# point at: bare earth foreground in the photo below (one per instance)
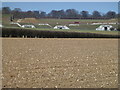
(60, 63)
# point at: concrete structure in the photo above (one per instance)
(15, 24)
(105, 28)
(44, 24)
(73, 24)
(28, 26)
(103, 23)
(61, 27)
(1, 25)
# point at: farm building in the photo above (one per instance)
(15, 24)
(1, 25)
(105, 28)
(44, 24)
(60, 27)
(73, 24)
(28, 26)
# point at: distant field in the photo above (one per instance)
(53, 22)
(84, 27)
(66, 21)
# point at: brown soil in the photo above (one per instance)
(60, 63)
(29, 20)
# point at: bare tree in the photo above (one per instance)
(17, 13)
(6, 10)
(96, 14)
(111, 14)
(72, 13)
(42, 14)
(84, 14)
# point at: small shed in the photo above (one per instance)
(44, 24)
(73, 24)
(1, 25)
(14, 23)
(28, 26)
(105, 28)
(61, 27)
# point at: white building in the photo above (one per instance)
(44, 24)
(73, 24)
(28, 26)
(105, 28)
(61, 27)
(1, 25)
(15, 24)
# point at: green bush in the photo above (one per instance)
(17, 32)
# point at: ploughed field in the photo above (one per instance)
(60, 63)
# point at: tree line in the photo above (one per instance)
(60, 14)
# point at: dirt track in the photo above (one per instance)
(60, 63)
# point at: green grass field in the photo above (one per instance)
(83, 27)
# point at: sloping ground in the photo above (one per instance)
(6, 20)
(60, 63)
(29, 20)
(82, 21)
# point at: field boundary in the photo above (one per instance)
(29, 33)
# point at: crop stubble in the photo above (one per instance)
(60, 63)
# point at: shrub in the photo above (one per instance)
(15, 32)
